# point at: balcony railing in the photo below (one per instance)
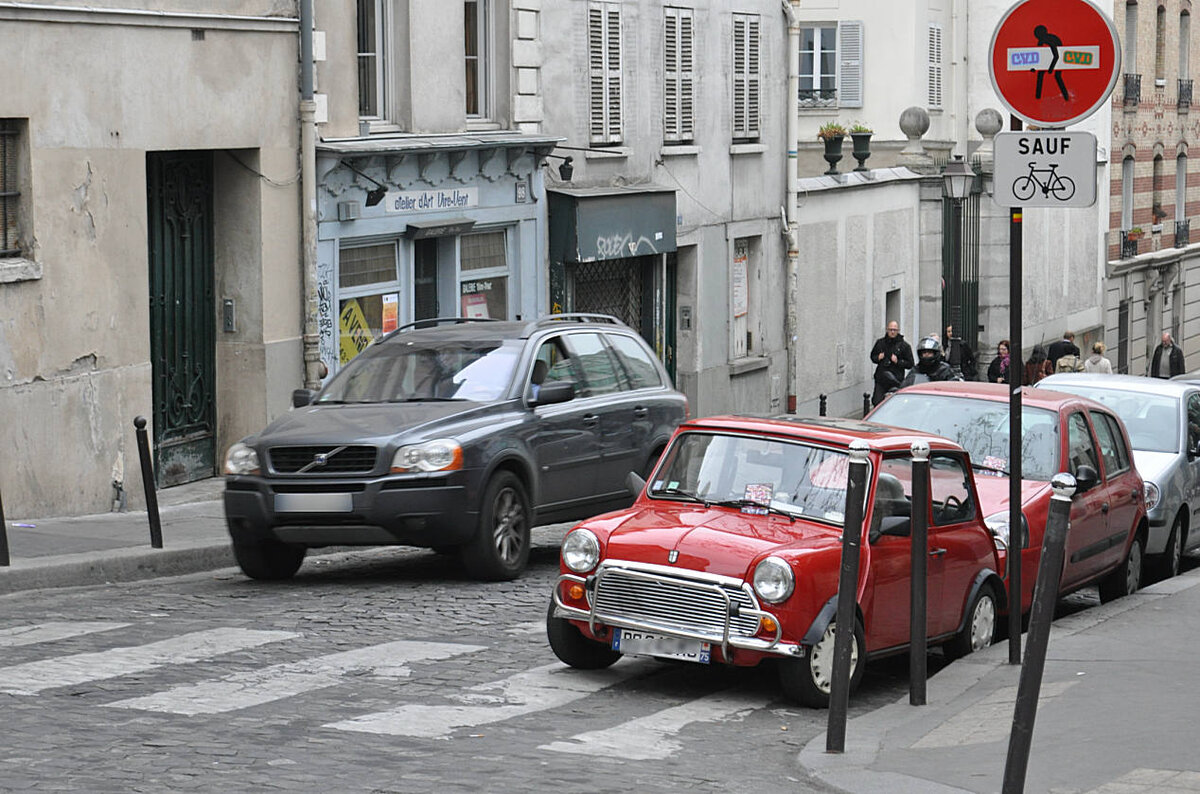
(1181, 232)
(1185, 93)
(1129, 245)
(818, 97)
(1133, 90)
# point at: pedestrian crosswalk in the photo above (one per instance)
(134, 676)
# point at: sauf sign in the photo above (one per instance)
(1046, 168)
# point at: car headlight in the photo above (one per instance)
(773, 580)
(440, 454)
(241, 459)
(998, 525)
(1153, 494)
(580, 550)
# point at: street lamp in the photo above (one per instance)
(957, 178)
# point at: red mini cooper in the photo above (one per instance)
(732, 552)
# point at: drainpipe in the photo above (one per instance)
(308, 194)
(792, 322)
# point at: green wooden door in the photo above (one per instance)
(182, 315)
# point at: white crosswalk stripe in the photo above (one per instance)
(33, 677)
(649, 738)
(244, 690)
(547, 687)
(53, 630)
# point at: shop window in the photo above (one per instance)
(368, 297)
(483, 280)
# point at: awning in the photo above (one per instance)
(590, 224)
(445, 227)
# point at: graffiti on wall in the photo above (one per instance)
(619, 246)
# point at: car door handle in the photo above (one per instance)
(936, 552)
(1104, 507)
(590, 419)
(640, 412)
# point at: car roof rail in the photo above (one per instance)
(574, 317)
(433, 322)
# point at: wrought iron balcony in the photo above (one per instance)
(818, 97)
(1133, 90)
(1181, 232)
(1185, 93)
(1129, 244)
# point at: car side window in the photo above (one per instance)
(1112, 445)
(893, 493)
(599, 368)
(1193, 419)
(950, 490)
(1081, 449)
(551, 363)
(638, 364)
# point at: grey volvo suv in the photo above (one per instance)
(458, 435)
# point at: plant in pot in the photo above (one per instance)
(861, 135)
(832, 133)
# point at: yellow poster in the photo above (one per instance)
(355, 334)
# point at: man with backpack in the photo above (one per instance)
(1069, 362)
(1061, 348)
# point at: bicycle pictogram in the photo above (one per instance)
(1062, 187)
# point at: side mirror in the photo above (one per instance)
(1085, 478)
(555, 391)
(634, 484)
(302, 397)
(900, 526)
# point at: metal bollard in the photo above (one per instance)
(866, 403)
(847, 599)
(4, 561)
(821, 409)
(148, 482)
(918, 636)
(1041, 613)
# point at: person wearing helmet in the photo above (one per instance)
(930, 364)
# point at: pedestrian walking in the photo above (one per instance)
(1037, 367)
(892, 357)
(930, 364)
(1173, 355)
(959, 355)
(1061, 348)
(1000, 370)
(1096, 362)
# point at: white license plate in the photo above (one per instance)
(313, 503)
(643, 643)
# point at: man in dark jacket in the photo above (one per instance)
(1173, 355)
(1060, 348)
(959, 355)
(930, 364)
(892, 357)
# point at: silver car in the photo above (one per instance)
(1163, 420)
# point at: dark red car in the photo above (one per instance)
(731, 553)
(1059, 433)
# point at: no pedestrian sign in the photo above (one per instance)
(1054, 62)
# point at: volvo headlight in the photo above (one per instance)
(773, 580)
(580, 550)
(998, 525)
(1153, 494)
(241, 459)
(440, 454)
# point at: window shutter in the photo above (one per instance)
(935, 66)
(686, 108)
(850, 64)
(745, 76)
(604, 73)
(596, 74)
(613, 76)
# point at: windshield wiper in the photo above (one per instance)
(678, 492)
(749, 503)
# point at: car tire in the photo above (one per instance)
(979, 631)
(269, 561)
(1166, 565)
(500, 548)
(808, 680)
(574, 649)
(1127, 578)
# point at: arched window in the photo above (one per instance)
(1181, 187)
(1160, 46)
(1131, 18)
(1127, 193)
(1185, 39)
(1156, 184)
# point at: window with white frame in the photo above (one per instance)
(483, 275)
(678, 108)
(746, 85)
(477, 44)
(935, 67)
(831, 65)
(372, 57)
(10, 188)
(368, 296)
(604, 73)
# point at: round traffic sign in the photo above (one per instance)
(1054, 62)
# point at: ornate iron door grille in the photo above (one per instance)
(182, 315)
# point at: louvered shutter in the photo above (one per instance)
(935, 66)
(850, 64)
(604, 72)
(677, 88)
(745, 76)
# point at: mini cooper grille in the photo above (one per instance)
(676, 604)
(337, 460)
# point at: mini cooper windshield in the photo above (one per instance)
(755, 474)
(403, 371)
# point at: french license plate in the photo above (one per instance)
(313, 503)
(643, 643)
